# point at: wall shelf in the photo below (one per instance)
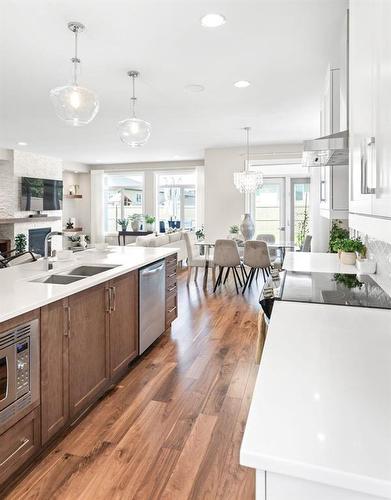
(73, 230)
(73, 196)
(15, 220)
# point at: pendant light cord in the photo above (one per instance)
(75, 59)
(247, 129)
(133, 98)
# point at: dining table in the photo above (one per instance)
(282, 246)
(207, 245)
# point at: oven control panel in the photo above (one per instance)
(22, 367)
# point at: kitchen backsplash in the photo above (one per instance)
(380, 252)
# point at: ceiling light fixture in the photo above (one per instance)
(21, 143)
(133, 131)
(242, 84)
(195, 88)
(212, 20)
(248, 181)
(75, 105)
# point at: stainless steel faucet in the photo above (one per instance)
(48, 265)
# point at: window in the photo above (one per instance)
(300, 192)
(176, 200)
(123, 197)
(269, 208)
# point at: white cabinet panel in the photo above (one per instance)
(260, 485)
(279, 487)
(362, 109)
(382, 197)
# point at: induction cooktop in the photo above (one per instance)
(327, 288)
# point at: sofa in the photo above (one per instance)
(170, 240)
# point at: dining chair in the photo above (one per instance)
(269, 238)
(256, 257)
(194, 259)
(306, 247)
(226, 255)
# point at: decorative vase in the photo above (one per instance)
(124, 228)
(348, 258)
(247, 227)
(82, 241)
(135, 225)
(149, 227)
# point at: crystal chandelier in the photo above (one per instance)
(75, 105)
(248, 181)
(134, 131)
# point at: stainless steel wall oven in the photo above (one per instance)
(19, 369)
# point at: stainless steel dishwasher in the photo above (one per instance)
(152, 297)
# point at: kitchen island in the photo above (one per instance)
(66, 337)
(319, 425)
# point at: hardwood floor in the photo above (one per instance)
(173, 426)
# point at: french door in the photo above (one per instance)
(268, 208)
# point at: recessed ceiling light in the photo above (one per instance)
(21, 143)
(212, 20)
(195, 88)
(242, 84)
(176, 157)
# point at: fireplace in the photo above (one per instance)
(37, 240)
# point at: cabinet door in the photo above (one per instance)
(88, 347)
(382, 197)
(362, 109)
(123, 321)
(54, 368)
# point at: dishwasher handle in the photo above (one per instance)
(146, 272)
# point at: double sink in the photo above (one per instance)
(70, 276)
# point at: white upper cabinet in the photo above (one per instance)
(370, 105)
(382, 72)
(361, 105)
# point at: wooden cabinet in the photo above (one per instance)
(171, 290)
(18, 444)
(54, 368)
(88, 347)
(87, 341)
(123, 321)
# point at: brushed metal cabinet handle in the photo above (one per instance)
(22, 445)
(114, 295)
(108, 299)
(67, 329)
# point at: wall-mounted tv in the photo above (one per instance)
(41, 194)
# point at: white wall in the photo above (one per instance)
(224, 205)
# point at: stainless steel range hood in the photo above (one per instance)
(329, 150)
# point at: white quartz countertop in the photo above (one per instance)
(321, 408)
(19, 295)
(316, 262)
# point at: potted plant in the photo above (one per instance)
(200, 233)
(234, 231)
(349, 249)
(149, 222)
(135, 221)
(337, 233)
(20, 243)
(123, 223)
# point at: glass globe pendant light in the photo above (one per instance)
(75, 105)
(248, 181)
(134, 131)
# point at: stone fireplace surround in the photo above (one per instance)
(17, 164)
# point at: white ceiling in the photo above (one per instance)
(281, 46)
